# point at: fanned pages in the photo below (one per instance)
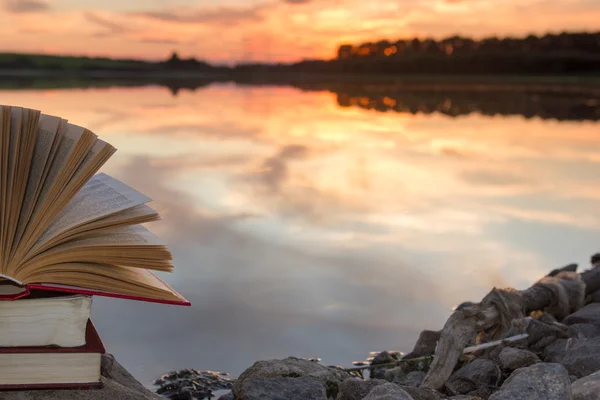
(65, 227)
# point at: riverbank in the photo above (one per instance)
(549, 348)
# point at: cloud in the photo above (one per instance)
(297, 1)
(25, 6)
(275, 169)
(111, 26)
(238, 279)
(223, 15)
(495, 178)
(159, 41)
(282, 294)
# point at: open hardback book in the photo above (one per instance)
(63, 226)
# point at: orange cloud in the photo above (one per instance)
(25, 6)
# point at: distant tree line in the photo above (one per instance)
(15, 61)
(549, 54)
(564, 43)
(561, 54)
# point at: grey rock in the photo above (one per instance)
(555, 352)
(118, 385)
(465, 397)
(582, 356)
(589, 314)
(594, 297)
(479, 372)
(425, 345)
(539, 330)
(583, 331)
(414, 378)
(282, 388)
(356, 388)
(512, 358)
(422, 393)
(383, 357)
(587, 388)
(228, 396)
(541, 344)
(544, 381)
(388, 391)
(395, 374)
(256, 380)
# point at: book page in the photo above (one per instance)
(101, 196)
(107, 279)
(19, 167)
(137, 215)
(4, 153)
(67, 143)
(136, 235)
(47, 133)
(73, 148)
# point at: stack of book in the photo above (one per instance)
(67, 233)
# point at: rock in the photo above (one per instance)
(388, 391)
(541, 344)
(465, 397)
(356, 388)
(413, 378)
(191, 383)
(479, 372)
(395, 374)
(512, 358)
(583, 331)
(385, 357)
(544, 381)
(421, 393)
(228, 396)
(594, 297)
(587, 388)
(282, 388)
(256, 380)
(425, 345)
(589, 314)
(118, 385)
(538, 330)
(482, 392)
(555, 352)
(582, 356)
(547, 318)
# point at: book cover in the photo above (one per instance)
(93, 345)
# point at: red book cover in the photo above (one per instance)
(93, 345)
(26, 290)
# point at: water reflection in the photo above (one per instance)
(300, 227)
(563, 101)
(457, 102)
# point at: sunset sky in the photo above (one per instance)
(267, 30)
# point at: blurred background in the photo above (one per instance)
(333, 175)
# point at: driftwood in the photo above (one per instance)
(467, 350)
(559, 293)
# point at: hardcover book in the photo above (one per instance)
(52, 367)
(64, 226)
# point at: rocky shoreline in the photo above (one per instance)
(557, 360)
(550, 351)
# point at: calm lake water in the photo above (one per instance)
(303, 227)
